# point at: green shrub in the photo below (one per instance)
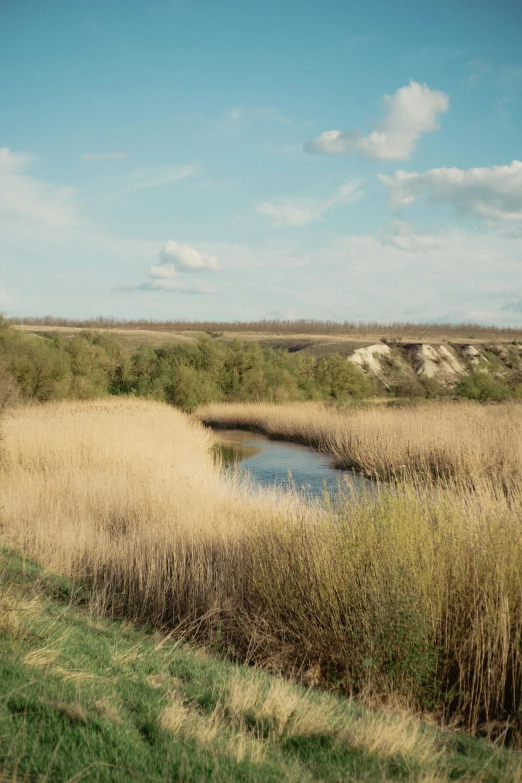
(338, 378)
(189, 388)
(409, 387)
(482, 387)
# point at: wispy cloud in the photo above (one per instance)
(104, 156)
(235, 120)
(26, 202)
(513, 307)
(411, 112)
(355, 42)
(493, 193)
(510, 83)
(478, 70)
(168, 286)
(298, 212)
(154, 176)
(506, 80)
(405, 237)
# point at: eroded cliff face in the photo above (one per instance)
(447, 363)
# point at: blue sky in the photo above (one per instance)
(244, 160)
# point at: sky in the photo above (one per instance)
(241, 160)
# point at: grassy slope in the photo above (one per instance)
(131, 337)
(83, 698)
(317, 343)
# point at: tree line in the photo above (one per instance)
(92, 364)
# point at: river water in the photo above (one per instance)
(274, 463)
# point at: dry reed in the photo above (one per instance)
(456, 440)
(408, 594)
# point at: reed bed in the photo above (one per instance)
(406, 596)
(459, 441)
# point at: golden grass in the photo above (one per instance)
(456, 440)
(180, 718)
(281, 711)
(248, 715)
(411, 594)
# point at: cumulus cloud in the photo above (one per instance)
(176, 257)
(411, 112)
(173, 259)
(299, 212)
(493, 193)
(26, 201)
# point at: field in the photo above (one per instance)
(296, 331)
(409, 597)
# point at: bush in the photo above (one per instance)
(338, 378)
(409, 387)
(482, 387)
(189, 388)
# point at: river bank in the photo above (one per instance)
(457, 441)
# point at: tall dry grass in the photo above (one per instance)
(446, 440)
(409, 595)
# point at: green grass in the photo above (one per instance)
(92, 699)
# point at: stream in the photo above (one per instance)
(275, 463)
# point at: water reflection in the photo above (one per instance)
(285, 465)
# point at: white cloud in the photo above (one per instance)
(152, 177)
(176, 257)
(292, 212)
(27, 202)
(299, 212)
(104, 156)
(412, 111)
(493, 193)
(404, 237)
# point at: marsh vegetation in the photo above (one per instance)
(412, 595)
(467, 444)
